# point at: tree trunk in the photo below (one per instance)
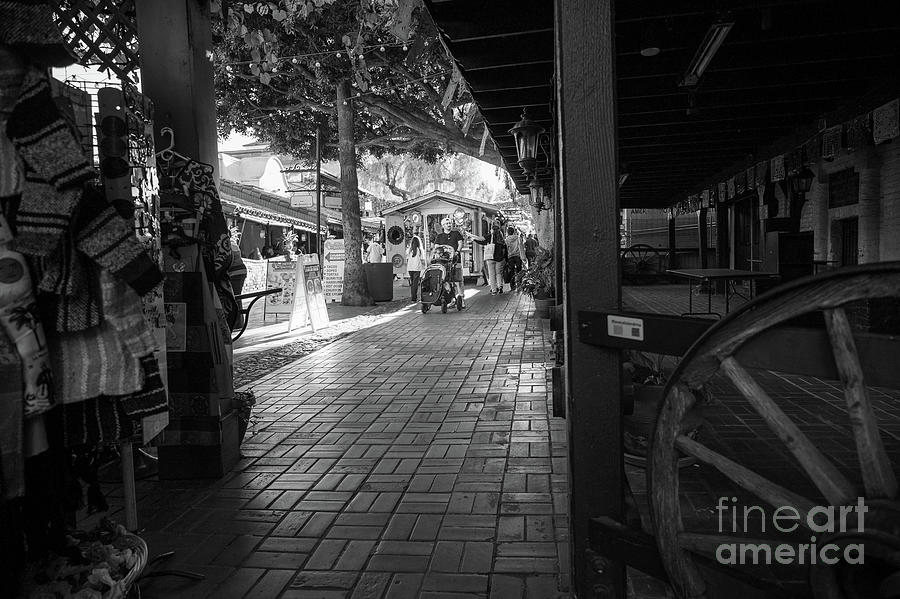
(356, 290)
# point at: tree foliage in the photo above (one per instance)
(278, 64)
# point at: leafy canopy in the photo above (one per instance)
(278, 64)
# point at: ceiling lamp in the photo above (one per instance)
(650, 41)
(526, 133)
(802, 181)
(714, 39)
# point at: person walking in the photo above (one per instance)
(494, 255)
(516, 254)
(531, 246)
(415, 264)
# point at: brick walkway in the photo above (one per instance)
(412, 459)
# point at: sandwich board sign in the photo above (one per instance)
(281, 274)
(333, 269)
(299, 310)
(309, 296)
(315, 292)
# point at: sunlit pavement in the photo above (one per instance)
(414, 458)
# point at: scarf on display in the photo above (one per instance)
(54, 163)
(27, 26)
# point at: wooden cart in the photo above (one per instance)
(772, 333)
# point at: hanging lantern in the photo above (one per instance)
(526, 133)
(802, 181)
(536, 197)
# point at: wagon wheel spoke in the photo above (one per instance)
(833, 485)
(772, 493)
(877, 474)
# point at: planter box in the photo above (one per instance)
(542, 307)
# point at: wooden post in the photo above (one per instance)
(128, 486)
(590, 240)
(175, 38)
(673, 254)
(723, 252)
(702, 231)
(176, 73)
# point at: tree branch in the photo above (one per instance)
(452, 139)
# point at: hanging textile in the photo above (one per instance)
(188, 189)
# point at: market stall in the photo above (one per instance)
(422, 216)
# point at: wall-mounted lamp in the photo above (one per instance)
(526, 133)
(713, 40)
(802, 182)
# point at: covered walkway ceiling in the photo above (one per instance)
(783, 66)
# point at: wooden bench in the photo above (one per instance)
(245, 312)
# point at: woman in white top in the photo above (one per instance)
(415, 264)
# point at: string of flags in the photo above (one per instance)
(873, 128)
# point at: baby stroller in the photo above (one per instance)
(437, 287)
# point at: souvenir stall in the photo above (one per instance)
(422, 216)
(80, 302)
(113, 284)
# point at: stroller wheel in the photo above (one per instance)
(444, 306)
(425, 307)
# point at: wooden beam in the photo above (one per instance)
(590, 239)
(673, 255)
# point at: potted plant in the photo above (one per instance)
(538, 282)
(645, 377)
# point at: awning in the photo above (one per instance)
(266, 207)
(264, 217)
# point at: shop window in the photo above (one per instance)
(843, 188)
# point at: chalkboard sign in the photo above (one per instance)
(843, 188)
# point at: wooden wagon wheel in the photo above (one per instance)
(683, 552)
(641, 259)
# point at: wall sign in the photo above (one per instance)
(625, 327)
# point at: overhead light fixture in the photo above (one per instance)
(650, 41)
(713, 40)
(526, 133)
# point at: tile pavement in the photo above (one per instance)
(413, 459)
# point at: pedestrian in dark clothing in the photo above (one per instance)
(514, 258)
(531, 246)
